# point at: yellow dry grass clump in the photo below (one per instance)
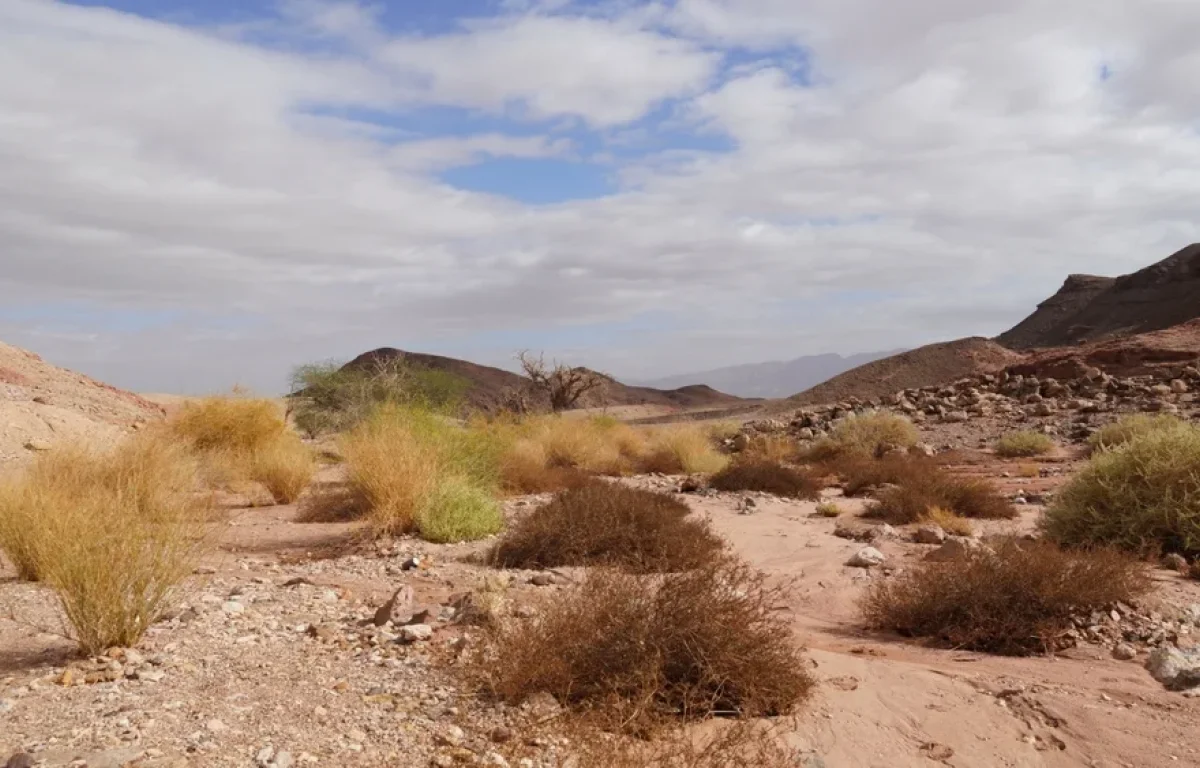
(550, 452)
(113, 534)
(1024, 444)
(410, 469)
(245, 440)
(948, 521)
(865, 435)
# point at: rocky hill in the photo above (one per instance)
(1089, 308)
(922, 367)
(42, 405)
(773, 379)
(487, 385)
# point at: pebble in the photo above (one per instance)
(416, 633)
(1124, 652)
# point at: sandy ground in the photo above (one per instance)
(241, 671)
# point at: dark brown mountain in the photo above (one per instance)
(1089, 308)
(487, 385)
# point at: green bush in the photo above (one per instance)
(458, 510)
(869, 434)
(1142, 495)
(1121, 432)
(1023, 444)
(329, 397)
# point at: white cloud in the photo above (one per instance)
(948, 163)
(607, 72)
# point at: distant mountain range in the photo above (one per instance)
(775, 379)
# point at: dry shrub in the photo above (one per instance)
(1015, 598)
(920, 491)
(242, 440)
(860, 474)
(948, 521)
(755, 474)
(1023, 444)
(1029, 470)
(829, 509)
(633, 651)
(113, 534)
(777, 448)
(869, 434)
(408, 469)
(681, 450)
(1143, 495)
(1194, 570)
(525, 468)
(608, 523)
(1131, 427)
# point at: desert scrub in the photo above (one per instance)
(1024, 444)
(1131, 427)
(113, 534)
(330, 397)
(1015, 597)
(868, 435)
(604, 523)
(411, 469)
(948, 521)
(245, 440)
(640, 651)
(681, 449)
(1140, 496)
(926, 486)
(829, 509)
(757, 474)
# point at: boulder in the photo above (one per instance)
(1175, 668)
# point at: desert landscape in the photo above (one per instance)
(977, 553)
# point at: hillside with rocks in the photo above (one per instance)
(1089, 308)
(42, 405)
(921, 367)
(487, 386)
(773, 379)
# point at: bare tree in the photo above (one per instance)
(562, 384)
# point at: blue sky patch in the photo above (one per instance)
(537, 181)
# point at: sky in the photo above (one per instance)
(201, 193)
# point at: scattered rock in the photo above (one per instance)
(954, 548)
(1124, 652)
(1175, 562)
(398, 609)
(542, 579)
(1175, 668)
(929, 534)
(414, 633)
(867, 557)
(20, 760)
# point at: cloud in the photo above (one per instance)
(829, 176)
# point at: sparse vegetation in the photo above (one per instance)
(400, 462)
(561, 384)
(948, 521)
(637, 652)
(756, 474)
(927, 486)
(1130, 427)
(458, 510)
(1140, 495)
(112, 534)
(1024, 444)
(242, 440)
(1028, 470)
(775, 448)
(601, 523)
(1016, 598)
(329, 397)
(868, 435)
(829, 509)
(681, 449)
(860, 475)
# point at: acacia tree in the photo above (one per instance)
(561, 384)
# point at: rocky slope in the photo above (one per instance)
(1089, 308)
(924, 366)
(42, 405)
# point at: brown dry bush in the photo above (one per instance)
(756, 474)
(1015, 597)
(636, 652)
(860, 475)
(927, 486)
(607, 523)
